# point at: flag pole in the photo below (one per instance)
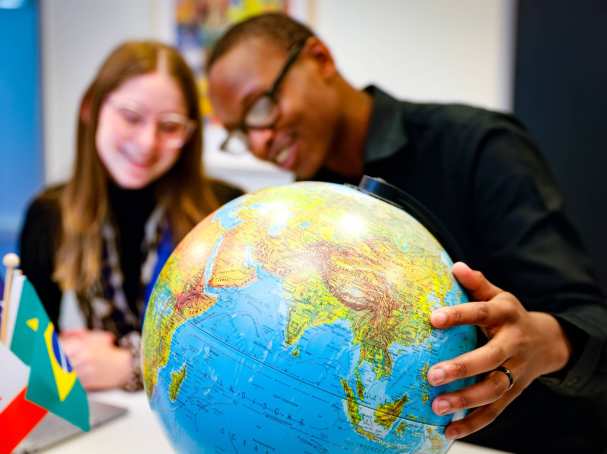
(11, 262)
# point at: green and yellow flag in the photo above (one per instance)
(53, 383)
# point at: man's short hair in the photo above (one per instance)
(277, 28)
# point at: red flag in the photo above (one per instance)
(18, 416)
(17, 420)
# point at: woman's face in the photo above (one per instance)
(142, 126)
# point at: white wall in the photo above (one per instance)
(442, 50)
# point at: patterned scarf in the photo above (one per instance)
(105, 305)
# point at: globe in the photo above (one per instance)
(295, 319)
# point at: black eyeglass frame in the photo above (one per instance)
(242, 127)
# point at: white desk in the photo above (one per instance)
(140, 431)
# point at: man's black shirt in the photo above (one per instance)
(482, 177)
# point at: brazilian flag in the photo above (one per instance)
(53, 383)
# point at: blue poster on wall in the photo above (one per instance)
(21, 153)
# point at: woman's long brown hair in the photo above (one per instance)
(84, 203)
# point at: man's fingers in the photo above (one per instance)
(474, 282)
(479, 418)
(478, 361)
(487, 391)
(481, 313)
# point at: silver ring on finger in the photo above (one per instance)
(508, 374)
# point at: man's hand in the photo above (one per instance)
(529, 344)
(98, 363)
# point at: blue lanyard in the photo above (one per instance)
(164, 250)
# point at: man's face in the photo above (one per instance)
(302, 135)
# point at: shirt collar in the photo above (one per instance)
(386, 133)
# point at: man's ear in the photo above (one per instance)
(320, 53)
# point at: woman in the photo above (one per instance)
(136, 190)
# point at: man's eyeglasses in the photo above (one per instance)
(261, 113)
(173, 129)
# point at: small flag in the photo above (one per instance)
(32, 337)
(10, 306)
(1, 293)
(18, 416)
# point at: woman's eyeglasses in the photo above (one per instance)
(173, 129)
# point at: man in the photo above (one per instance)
(274, 85)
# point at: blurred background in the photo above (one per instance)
(543, 60)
